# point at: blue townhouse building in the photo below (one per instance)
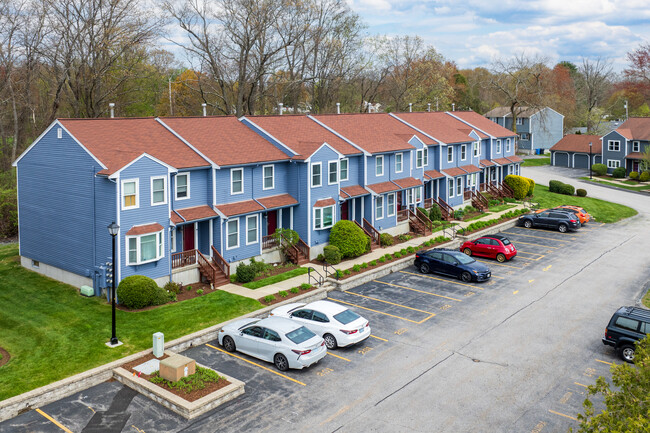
(625, 146)
(537, 128)
(197, 196)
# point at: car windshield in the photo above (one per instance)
(300, 335)
(346, 316)
(505, 241)
(464, 259)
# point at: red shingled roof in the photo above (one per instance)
(634, 155)
(637, 128)
(141, 230)
(433, 174)
(195, 213)
(486, 163)
(302, 135)
(353, 191)
(439, 125)
(224, 139)
(578, 143)
(484, 124)
(407, 182)
(378, 132)
(117, 142)
(454, 171)
(276, 201)
(325, 202)
(382, 187)
(502, 161)
(240, 207)
(514, 158)
(470, 168)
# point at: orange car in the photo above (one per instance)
(582, 214)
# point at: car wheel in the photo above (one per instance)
(424, 268)
(330, 341)
(528, 224)
(562, 228)
(281, 362)
(627, 353)
(467, 251)
(229, 344)
(501, 257)
(466, 277)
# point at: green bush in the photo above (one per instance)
(188, 288)
(283, 293)
(199, 292)
(245, 273)
(172, 287)
(385, 240)
(634, 175)
(581, 192)
(294, 290)
(258, 267)
(387, 256)
(349, 239)
(435, 214)
(644, 176)
(599, 169)
(619, 172)
(567, 189)
(269, 298)
(356, 268)
(332, 255)
(138, 291)
(410, 250)
(397, 254)
(305, 286)
(493, 203)
(554, 186)
(458, 214)
(320, 257)
(364, 265)
(519, 184)
(381, 259)
(346, 272)
(531, 187)
(373, 263)
(404, 238)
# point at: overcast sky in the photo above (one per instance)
(473, 32)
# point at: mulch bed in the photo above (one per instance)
(483, 228)
(192, 396)
(275, 270)
(290, 295)
(183, 295)
(5, 357)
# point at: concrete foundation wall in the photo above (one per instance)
(56, 273)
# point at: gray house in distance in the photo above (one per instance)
(573, 151)
(537, 128)
(624, 147)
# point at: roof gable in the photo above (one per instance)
(483, 124)
(438, 125)
(638, 127)
(578, 143)
(117, 173)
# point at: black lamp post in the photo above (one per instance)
(590, 161)
(113, 229)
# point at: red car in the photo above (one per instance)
(492, 246)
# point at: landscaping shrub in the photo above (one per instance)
(245, 273)
(410, 250)
(381, 259)
(644, 176)
(188, 288)
(581, 192)
(531, 187)
(349, 239)
(519, 185)
(435, 214)
(619, 172)
(356, 268)
(269, 298)
(404, 238)
(567, 189)
(294, 290)
(458, 214)
(172, 287)
(387, 256)
(385, 240)
(346, 272)
(364, 265)
(554, 186)
(305, 286)
(634, 175)
(493, 202)
(509, 200)
(397, 254)
(373, 263)
(320, 257)
(283, 293)
(332, 255)
(599, 169)
(138, 291)
(258, 267)
(199, 292)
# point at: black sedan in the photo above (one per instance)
(452, 263)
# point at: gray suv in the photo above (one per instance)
(627, 326)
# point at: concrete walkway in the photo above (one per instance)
(272, 289)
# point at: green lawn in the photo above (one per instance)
(501, 207)
(276, 278)
(646, 299)
(617, 185)
(602, 211)
(532, 162)
(51, 332)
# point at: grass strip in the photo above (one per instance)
(618, 185)
(501, 207)
(276, 278)
(534, 162)
(194, 382)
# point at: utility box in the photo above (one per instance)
(176, 367)
(158, 344)
(87, 291)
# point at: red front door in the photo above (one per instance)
(271, 222)
(399, 200)
(344, 210)
(188, 237)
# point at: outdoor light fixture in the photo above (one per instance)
(590, 160)
(113, 229)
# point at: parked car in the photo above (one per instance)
(627, 326)
(281, 341)
(338, 325)
(582, 214)
(549, 218)
(452, 263)
(493, 246)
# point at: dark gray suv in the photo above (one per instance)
(627, 326)
(552, 219)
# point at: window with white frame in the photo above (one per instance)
(450, 154)
(390, 204)
(613, 163)
(507, 145)
(145, 248)
(316, 175)
(459, 186)
(524, 136)
(463, 152)
(333, 172)
(409, 197)
(251, 229)
(418, 194)
(614, 145)
(158, 190)
(451, 187)
(476, 149)
(130, 196)
(236, 181)
(472, 180)
(399, 165)
(379, 207)
(379, 165)
(636, 146)
(172, 239)
(419, 158)
(425, 156)
(498, 148)
(268, 175)
(182, 186)
(232, 234)
(343, 169)
(323, 217)
(520, 120)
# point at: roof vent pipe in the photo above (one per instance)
(280, 104)
(429, 107)
(369, 107)
(453, 107)
(410, 107)
(338, 108)
(205, 110)
(111, 106)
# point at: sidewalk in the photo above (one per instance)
(373, 255)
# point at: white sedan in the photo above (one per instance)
(283, 342)
(338, 325)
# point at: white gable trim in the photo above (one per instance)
(246, 120)
(170, 169)
(325, 144)
(356, 146)
(417, 139)
(187, 143)
(469, 124)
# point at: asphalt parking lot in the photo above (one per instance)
(512, 354)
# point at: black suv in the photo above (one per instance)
(453, 263)
(550, 218)
(627, 326)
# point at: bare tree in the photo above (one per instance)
(593, 83)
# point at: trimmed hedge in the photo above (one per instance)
(619, 172)
(567, 189)
(561, 188)
(245, 273)
(520, 185)
(385, 240)
(634, 175)
(138, 291)
(645, 176)
(599, 169)
(349, 239)
(581, 192)
(483, 224)
(332, 254)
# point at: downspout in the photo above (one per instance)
(169, 232)
(94, 236)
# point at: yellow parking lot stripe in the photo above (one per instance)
(370, 309)
(579, 384)
(561, 414)
(530, 258)
(416, 290)
(540, 237)
(500, 264)
(388, 302)
(378, 338)
(601, 224)
(528, 252)
(339, 357)
(501, 278)
(538, 245)
(605, 362)
(55, 422)
(546, 230)
(256, 364)
(441, 279)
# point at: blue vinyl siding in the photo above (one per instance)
(200, 189)
(355, 171)
(324, 155)
(244, 251)
(615, 155)
(546, 128)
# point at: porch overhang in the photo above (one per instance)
(433, 174)
(192, 214)
(353, 191)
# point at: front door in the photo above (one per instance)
(399, 200)
(271, 221)
(188, 237)
(344, 210)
